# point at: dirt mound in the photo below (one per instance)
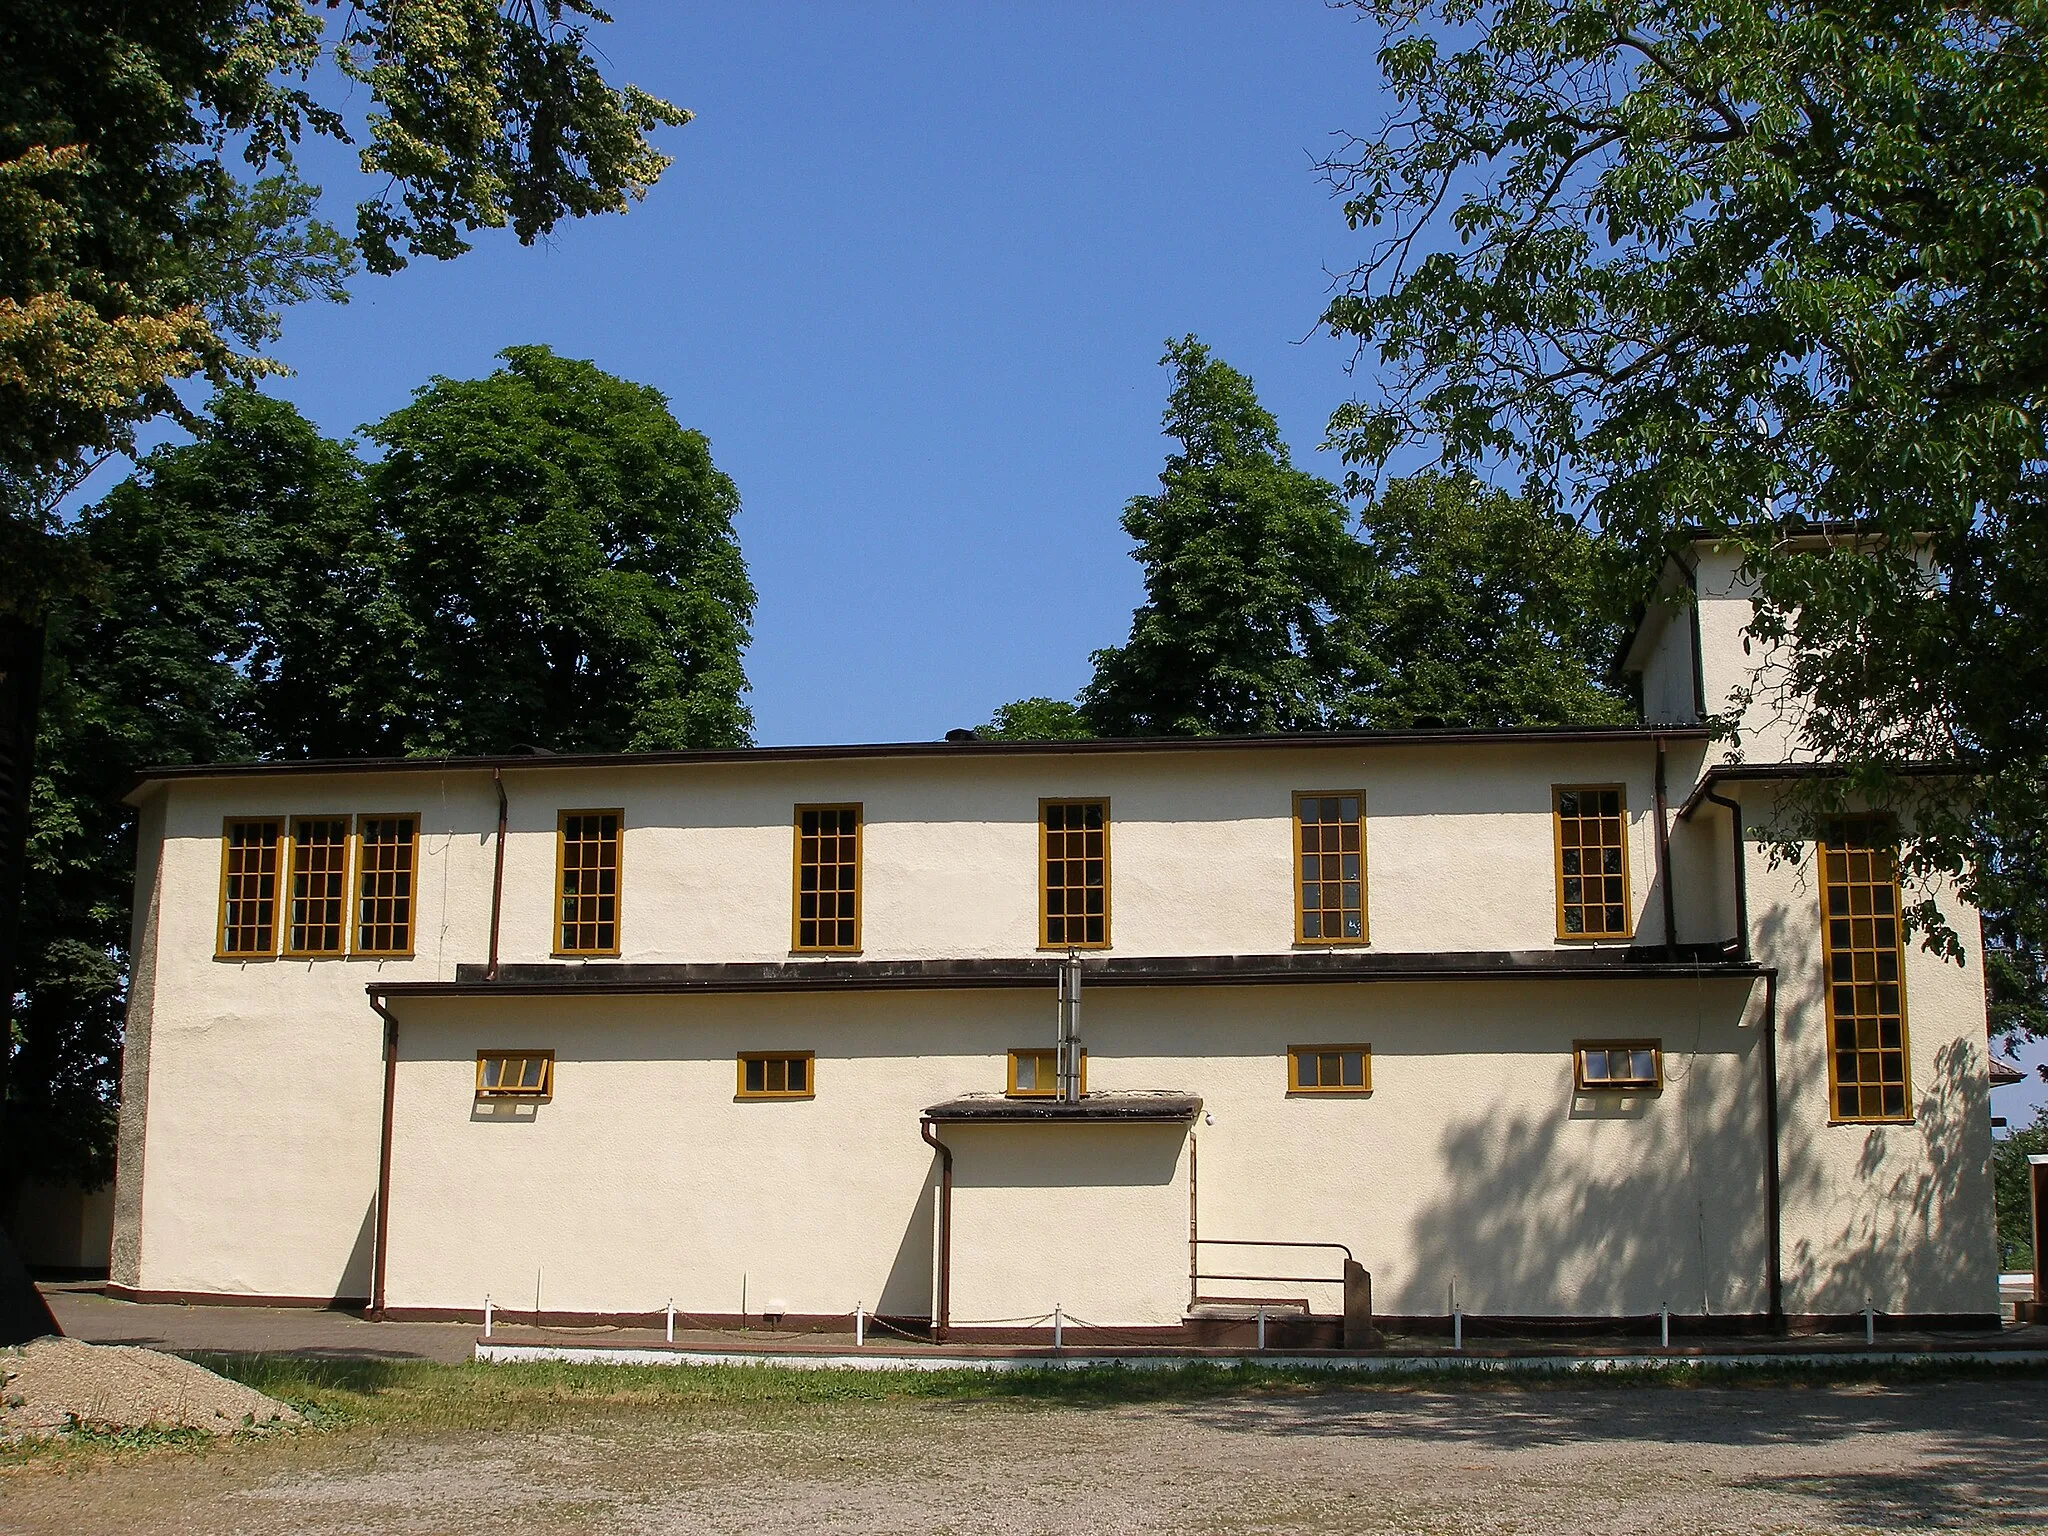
(56, 1384)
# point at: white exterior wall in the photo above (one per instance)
(252, 1089)
(1472, 1162)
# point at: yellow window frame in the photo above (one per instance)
(1582, 1083)
(1886, 969)
(357, 896)
(288, 897)
(1557, 821)
(278, 887)
(1320, 1053)
(1045, 939)
(796, 903)
(1300, 878)
(518, 1089)
(1045, 1070)
(562, 894)
(768, 1060)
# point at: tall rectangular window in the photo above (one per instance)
(1073, 902)
(1863, 950)
(1592, 861)
(827, 878)
(319, 884)
(587, 878)
(1329, 886)
(387, 875)
(250, 850)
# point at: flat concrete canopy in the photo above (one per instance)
(1140, 1105)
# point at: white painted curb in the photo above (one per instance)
(493, 1353)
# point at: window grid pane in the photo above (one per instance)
(590, 883)
(515, 1074)
(1074, 899)
(1330, 874)
(249, 894)
(828, 877)
(388, 848)
(1592, 863)
(1863, 952)
(1620, 1064)
(775, 1076)
(319, 885)
(1330, 1069)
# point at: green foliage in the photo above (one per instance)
(1748, 269)
(1249, 567)
(567, 561)
(151, 218)
(1038, 719)
(1264, 611)
(2013, 1185)
(544, 557)
(1483, 611)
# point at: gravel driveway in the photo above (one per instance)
(1956, 1456)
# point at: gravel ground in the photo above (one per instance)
(57, 1384)
(1962, 1456)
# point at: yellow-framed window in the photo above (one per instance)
(587, 882)
(777, 1075)
(827, 904)
(387, 883)
(1073, 887)
(515, 1074)
(318, 923)
(1864, 952)
(1329, 1069)
(1035, 1072)
(1329, 884)
(1618, 1066)
(251, 854)
(1591, 827)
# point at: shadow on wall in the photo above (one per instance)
(1065, 1156)
(1894, 1216)
(1597, 1208)
(908, 1290)
(355, 1274)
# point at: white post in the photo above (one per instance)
(1457, 1327)
(1869, 1322)
(669, 1330)
(1664, 1321)
(1059, 1323)
(1262, 1328)
(860, 1326)
(487, 1316)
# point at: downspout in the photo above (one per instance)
(942, 1314)
(1774, 1231)
(1664, 860)
(384, 1157)
(498, 873)
(1734, 810)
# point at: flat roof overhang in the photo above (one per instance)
(607, 979)
(1784, 773)
(1143, 1106)
(1318, 741)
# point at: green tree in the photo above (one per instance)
(1451, 605)
(2013, 1187)
(1483, 611)
(543, 557)
(152, 220)
(1745, 269)
(1250, 568)
(567, 562)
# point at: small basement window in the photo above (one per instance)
(515, 1074)
(776, 1075)
(1035, 1073)
(1329, 1069)
(1619, 1066)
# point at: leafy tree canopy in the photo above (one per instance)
(2013, 1190)
(543, 557)
(1450, 604)
(1747, 269)
(152, 220)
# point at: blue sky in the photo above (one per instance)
(911, 273)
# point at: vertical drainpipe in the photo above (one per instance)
(943, 1312)
(1774, 1228)
(1664, 861)
(498, 873)
(384, 1157)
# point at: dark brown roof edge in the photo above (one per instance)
(1768, 773)
(609, 980)
(1521, 735)
(1157, 1107)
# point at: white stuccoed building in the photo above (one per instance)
(1520, 1019)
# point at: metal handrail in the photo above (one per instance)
(1260, 1242)
(1199, 1274)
